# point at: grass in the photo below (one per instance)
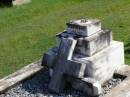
(26, 32)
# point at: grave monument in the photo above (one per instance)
(85, 56)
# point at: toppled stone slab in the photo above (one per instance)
(88, 46)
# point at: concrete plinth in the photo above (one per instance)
(88, 46)
(84, 27)
(102, 65)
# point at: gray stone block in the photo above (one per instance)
(88, 85)
(89, 46)
(64, 53)
(49, 58)
(84, 27)
(102, 65)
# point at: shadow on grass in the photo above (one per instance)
(127, 50)
(5, 3)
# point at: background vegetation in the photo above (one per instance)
(26, 32)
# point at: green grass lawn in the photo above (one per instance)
(29, 30)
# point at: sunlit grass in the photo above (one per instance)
(26, 32)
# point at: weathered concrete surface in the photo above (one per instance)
(123, 89)
(50, 57)
(84, 50)
(64, 57)
(20, 2)
(102, 65)
(123, 70)
(20, 75)
(91, 45)
(88, 46)
(84, 27)
(87, 85)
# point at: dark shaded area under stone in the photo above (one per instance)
(37, 86)
(7, 3)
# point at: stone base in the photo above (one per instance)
(87, 85)
(91, 45)
(102, 65)
(20, 2)
(84, 27)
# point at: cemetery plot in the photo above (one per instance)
(37, 85)
(85, 52)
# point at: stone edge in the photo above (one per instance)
(31, 69)
(20, 75)
(123, 89)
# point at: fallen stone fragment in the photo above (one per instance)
(20, 2)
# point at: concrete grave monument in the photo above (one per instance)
(85, 56)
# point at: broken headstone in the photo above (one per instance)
(86, 56)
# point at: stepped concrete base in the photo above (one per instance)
(98, 68)
(87, 53)
(102, 65)
(88, 46)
